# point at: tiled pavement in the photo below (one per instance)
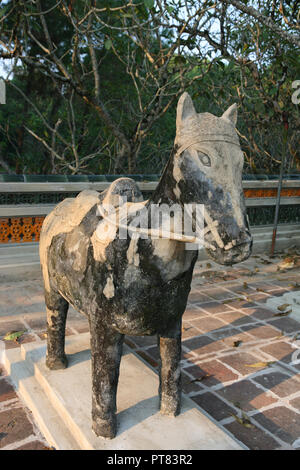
(238, 357)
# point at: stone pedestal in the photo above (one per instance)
(61, 404)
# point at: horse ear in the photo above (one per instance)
(231, 114)
(185, 109)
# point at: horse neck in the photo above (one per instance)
(164, 192)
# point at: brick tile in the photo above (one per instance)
(278, 292)
(236, 318)
(6, 391)
(259, 297)
(261, 331)
(189, 385)
(196, 297)
(218, 372)
(259, 313)
(241, 303)
(80, 326)
(147, 358)
(130, 343)
(8, 326)
(266, 287)
(36, 321)
(143, 341)
(208, 324)
(25, 338)
(214, 307)
(286, 324)
(213, 406)
(282, 422)
(189, 331)
(280, 350)
(278, 383)
(14, 426)
(239, 362)
(226, 332)
(34, 445)
(203, 345)
(191, 313)
(246, 395)
(254, 438)
(231, 340)
(296, 403)
(219, 293)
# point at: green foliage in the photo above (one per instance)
(253, 67)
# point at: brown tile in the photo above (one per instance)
(259, 297)
(280, 350)
(35, 445)
(36, 321)
(282, 422)
(25, 338)
(188, 331)
(219, 293)
(6, 391)
(203, 345)
(286, 324)
(191, 313)
(214, 307)
(279, 383)
(226, 332)
(259, 313)
(278, 292)
(190, 385)
(233, 340)
(147, 358)
(236, 318)
(295, 403)
(240, 362)
(246, 395)
(14, 426)
(196, 297)
(8, 326)
(266, 287)
(254, 438)
(144, 341)
(213, 405)
(217, 372)
(261, 331)
(207, 324)
(240, 302)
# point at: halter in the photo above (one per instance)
(184, 147)
(211, 226)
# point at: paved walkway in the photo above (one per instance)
(238, 358)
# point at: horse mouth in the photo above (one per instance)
(238, 253)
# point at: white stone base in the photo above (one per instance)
(61, 404)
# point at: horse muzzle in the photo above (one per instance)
(233, 252)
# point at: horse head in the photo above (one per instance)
(207, 169)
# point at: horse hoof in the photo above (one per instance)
(105, 428)
(170, 408)
(55, 363)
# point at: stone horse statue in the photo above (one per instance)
(140, 286)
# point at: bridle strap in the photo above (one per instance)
(184, 147)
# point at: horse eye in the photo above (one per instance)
(205, 160)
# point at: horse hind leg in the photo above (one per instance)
(57, 309)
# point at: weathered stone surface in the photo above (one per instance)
(140, 285)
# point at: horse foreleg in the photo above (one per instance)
(57, 309)
(106, 350)
(169, 371)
